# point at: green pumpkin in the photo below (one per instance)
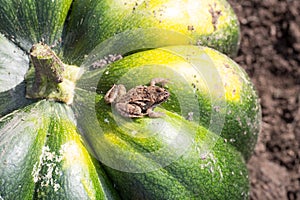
(205, 22)
(60, 140)
(227, 102)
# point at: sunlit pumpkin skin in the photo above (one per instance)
(51, 150)
(228, 93)
(190, 176)
(205, 22)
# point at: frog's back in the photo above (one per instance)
(138, 93)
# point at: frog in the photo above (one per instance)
(138, 101)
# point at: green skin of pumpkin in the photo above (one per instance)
(205, 22)
(238, 103)
(42, 149)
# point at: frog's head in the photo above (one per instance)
(161, 95)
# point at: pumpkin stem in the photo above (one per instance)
(50, 78)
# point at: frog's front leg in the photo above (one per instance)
(162, 81)
(129, 110)
(153, 114)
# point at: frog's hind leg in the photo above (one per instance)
(162, 81)
(114, 93)
(129, 110)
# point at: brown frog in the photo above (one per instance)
(139, 101)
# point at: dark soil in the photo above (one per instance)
(270, 53)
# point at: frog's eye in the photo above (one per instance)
(166, 94)
(159, 90)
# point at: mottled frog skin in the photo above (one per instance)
(138, 101)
